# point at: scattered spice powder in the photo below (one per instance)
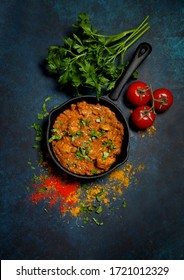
(79, 199)
(54, 189)
(123, 175)
(151, 131)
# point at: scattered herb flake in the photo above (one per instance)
(99, 209)
(97, 222)
(105, 155)
(124, 204)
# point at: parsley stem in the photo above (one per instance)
(137, 31)
(116, 37)
(121, 47)
(135, 39)
(77, 57)
(113, 38)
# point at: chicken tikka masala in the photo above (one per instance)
(87, 138)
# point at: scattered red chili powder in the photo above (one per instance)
(54, 189)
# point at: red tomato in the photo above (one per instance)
(163, 99)
(143, 117)
(138, 93)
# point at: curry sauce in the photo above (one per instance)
(87, 138)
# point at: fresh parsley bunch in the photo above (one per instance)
(91, 60)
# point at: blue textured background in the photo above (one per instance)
(152, 226)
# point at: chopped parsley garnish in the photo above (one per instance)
(82, 153)
(98, 120)
(55, 137)
(94, 134)
(84, 122)
(105, 155)
(109, 145)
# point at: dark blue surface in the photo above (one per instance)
(152, 226)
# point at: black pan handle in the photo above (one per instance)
(142, 51)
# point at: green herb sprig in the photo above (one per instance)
(89, 59)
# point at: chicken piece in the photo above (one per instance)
(105, 126)
(73, 126)
(65, 148)
(84, 109)
(105, 163)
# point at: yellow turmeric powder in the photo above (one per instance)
(123, 176)
(151, 131)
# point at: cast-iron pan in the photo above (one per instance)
(113, 102)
